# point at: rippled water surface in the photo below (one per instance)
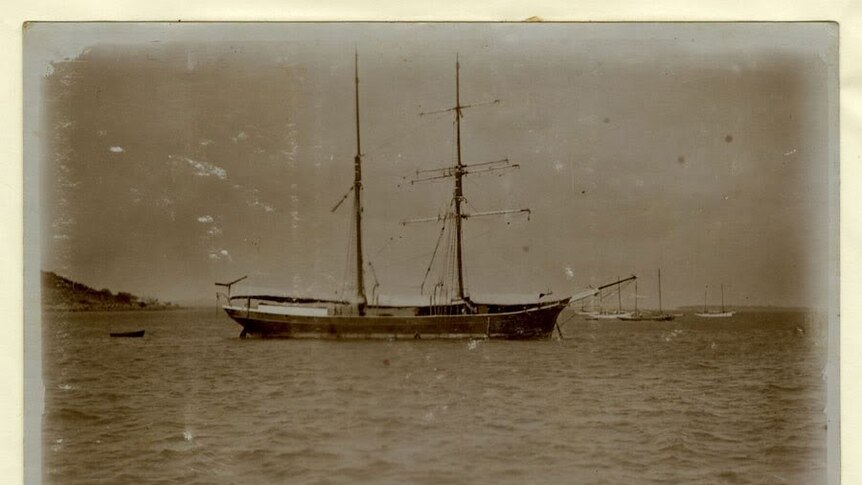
(687, 401)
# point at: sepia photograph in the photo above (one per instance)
(441, 252)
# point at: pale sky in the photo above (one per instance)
(175, 155)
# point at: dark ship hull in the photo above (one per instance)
(535, 321)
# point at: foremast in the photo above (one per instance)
(362, 301)
(356, 188)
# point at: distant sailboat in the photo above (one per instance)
(636, 315)
(708, 314)
(614, 315)
(662, 316)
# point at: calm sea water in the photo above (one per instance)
(687, 401)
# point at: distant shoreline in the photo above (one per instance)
(114, 309)
(61, 294)
(742, 308)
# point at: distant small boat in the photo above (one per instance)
(661, 316)
(635, 316)
(716, 315)
(609, 316)
(710, 314)
(586, 313)
(136, 333)
(614, 315)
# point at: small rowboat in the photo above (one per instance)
(137, 333)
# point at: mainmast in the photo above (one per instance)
(458, 172)
(357, 198)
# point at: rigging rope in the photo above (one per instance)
(349, 252)
(452, 258)
(434, 254)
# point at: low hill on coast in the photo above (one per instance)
(63, 294)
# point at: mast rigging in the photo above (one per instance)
(458, 171)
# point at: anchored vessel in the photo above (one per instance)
(614, 315)
(662, 316)
(713, 314)
(445, 316)
(638, 316)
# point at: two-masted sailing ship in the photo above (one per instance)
(458, 316)
(611, 315)
(638, 316)
(714, 314)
